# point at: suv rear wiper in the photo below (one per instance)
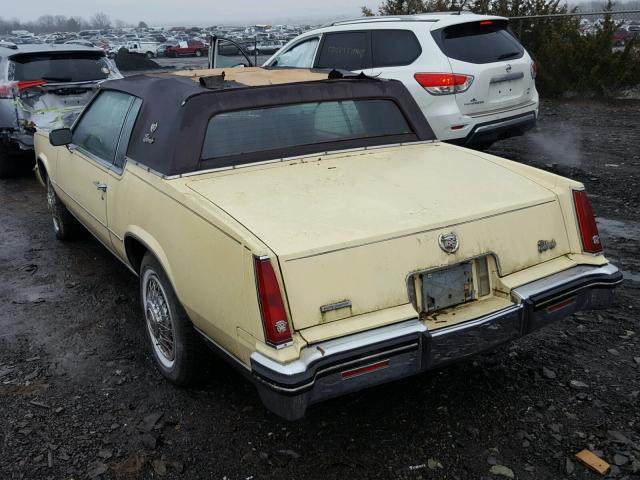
(508, 55)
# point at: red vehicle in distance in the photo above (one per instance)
(189, 48)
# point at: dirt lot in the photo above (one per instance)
(80, 398)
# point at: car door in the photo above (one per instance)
(82, 170)
(117, 205)
(300, 55)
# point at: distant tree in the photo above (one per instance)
(74, 24)
(100, 21)
(45, 23)
(119, 23)
(142, 25)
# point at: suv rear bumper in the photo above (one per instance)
(336, 367)
(486, 133)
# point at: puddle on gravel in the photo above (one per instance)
(620, 229)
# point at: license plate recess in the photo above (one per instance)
(447, 287)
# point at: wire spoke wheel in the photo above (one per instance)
(159, 319)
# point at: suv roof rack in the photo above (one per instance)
(417, 17)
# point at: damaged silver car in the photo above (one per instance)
(44, 87)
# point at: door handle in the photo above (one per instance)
(100, 186)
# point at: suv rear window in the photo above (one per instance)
(479, 42)
(273, 128)
(59, 67)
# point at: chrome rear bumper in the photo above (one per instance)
(409, 347)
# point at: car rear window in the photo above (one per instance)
(394, 48)
(274, 128)
(486, 41)
(59, 67)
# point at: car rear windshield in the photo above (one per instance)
(242, 132)
(486, 41)
(59, 67)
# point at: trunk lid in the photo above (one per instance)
(499, 64)
(354, 226)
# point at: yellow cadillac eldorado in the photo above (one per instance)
(312, 230)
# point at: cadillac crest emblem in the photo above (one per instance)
(449, 242)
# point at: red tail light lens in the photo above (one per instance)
(8, 90)
(444, 83)
(486, 22)
(274, 316)
(534, 70)
(24, 84)
(586, 223)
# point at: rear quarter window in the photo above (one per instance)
(479, 42)
(394, 48)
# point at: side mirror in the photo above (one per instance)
(60, 136)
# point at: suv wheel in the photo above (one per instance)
(175, 345)
(198, 53)
(65, 225)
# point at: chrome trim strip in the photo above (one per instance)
(335, 306)
(315, 352)
(497, 111)
(507, 77)
(566, 276)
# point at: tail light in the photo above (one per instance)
(24, 84)
(8, 90)
(534, 70)
(586, 223)
(444, 83)
(274, 316)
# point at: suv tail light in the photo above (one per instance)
(8, 90)
(24, 84)
(444, 83)
(274, 316)
(534, 70)
(586, 223)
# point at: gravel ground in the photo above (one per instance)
(80, 398)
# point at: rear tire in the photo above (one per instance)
(65, 225)
(175, 345)
(198, 53)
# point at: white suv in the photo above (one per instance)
(470, 75)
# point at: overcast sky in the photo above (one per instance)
(196, 12)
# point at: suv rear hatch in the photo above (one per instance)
(49, 89)
(354, 227)
(491, 53)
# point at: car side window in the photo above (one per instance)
(394, 48)
(98, 130)
(299, 56)
(346, 51)
(125, 136)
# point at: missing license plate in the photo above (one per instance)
(447, 287)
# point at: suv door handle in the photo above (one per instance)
(100, 186)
